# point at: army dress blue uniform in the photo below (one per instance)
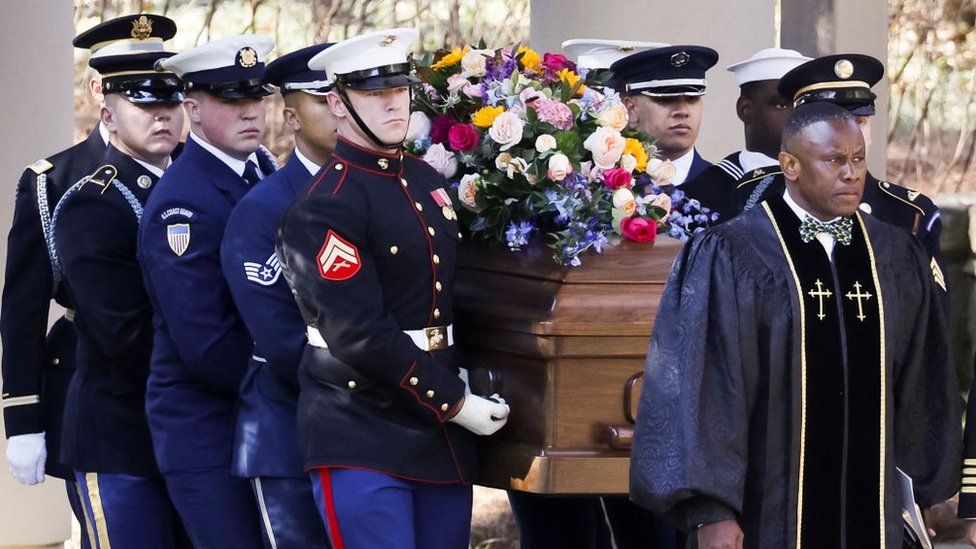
(266, 439)
(38, 368)
(106, 437)
(371, 252)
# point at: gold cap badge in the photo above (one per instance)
(247, 57)
(141, 28)
(389, 40)
(844, 69)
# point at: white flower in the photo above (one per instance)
(628, 162)
(473, 62)
(506, 130)
(468, 191)
(606, 145)
(621, 196)
(442, 160)
(502, 160)
(559, 167)
(515, 166)
(456, 82)
(661, 171)
(614, 117)
(418, 127)
(545, 142)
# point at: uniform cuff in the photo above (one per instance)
(703, 510)
(23, 419)
(438, 393)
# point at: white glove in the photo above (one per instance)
(25, 457)
(482, 416)
(463, 374)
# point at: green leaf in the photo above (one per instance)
(569, 143)
(618, 216)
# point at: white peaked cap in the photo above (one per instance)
(767, 64)
(219, 53)
(600, 54)
(374, 49)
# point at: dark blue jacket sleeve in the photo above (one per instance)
(194, 300)
(96, 235)
(264, 300)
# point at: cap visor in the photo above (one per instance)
(383, 82)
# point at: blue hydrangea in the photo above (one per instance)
(518, 235)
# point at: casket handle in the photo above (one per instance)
(632, 396)
(620, 437)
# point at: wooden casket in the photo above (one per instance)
(565, 346)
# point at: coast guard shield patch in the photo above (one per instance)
(338, 259)
(178, 237)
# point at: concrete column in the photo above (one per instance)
(735, 29)
(821, 27)
(36, 109)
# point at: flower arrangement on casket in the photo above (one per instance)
(534, 146)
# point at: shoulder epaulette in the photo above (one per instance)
(40, 166)
(103, 176)
(902, 194)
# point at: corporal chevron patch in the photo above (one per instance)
(338, 259)
(266, 273)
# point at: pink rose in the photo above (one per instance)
(639, 229)
(556, 62)
(463, 137)
(554, 112)
(472, 90)
(455, 82)
(617, 178)
(606, 146)
(506, 130)
(440, 128)
(468, 192)
(529, 96)
(442, 160)
(559, 167)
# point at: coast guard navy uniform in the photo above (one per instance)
(715, 187)
(370, 251)
(106, 438)
(846, 80)
(663, 73)
(266, 439)
(201, 346)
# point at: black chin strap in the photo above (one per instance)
(341, 90)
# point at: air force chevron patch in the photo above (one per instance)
(338, 259)
(178, 237)
(264, 274)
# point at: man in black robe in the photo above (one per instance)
(799, 356)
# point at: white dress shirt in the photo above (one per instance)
(682, 165)
(233, 163)
(312, 167)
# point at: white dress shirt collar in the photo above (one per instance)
(158, 172)
(825, 240)
(751, 160)
(312, 167)
(682, 165)
(234, 164)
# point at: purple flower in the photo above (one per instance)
(518, 235)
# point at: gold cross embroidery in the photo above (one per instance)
(859, 297)
(819, 295)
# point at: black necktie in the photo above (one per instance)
(251, 175)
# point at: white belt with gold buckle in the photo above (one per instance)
(434, 338)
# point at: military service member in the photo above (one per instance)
(37, 369)
(662, 89)
(763, 112)
(106, 437)
(201, 346)
(385, 421)
(266, 448)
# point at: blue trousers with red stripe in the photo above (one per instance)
(128, 511)
(367, 510)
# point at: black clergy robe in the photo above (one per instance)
(779, 394)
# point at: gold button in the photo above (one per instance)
(403, 182)
(430, 394)
(437, 259)
(394, 250)
(437, 313)
(430, 230)
(339, 167)
(419, 206)
(438, 285)
(352, 384)
(56, 361)
(414, 381)
(445, 407)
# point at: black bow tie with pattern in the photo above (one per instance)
(840, 229)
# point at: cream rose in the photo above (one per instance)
(661, 171)
(614, 118)
(662, 201)
(418, 127)
(628, 162)
(545, 142)
(506, 130)
(606, 146)
(515, 166)
(468, 191)
(621, 197)
(456, 83)
(473, 62)
(559, 167)
(502, 160)
(441, 160)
